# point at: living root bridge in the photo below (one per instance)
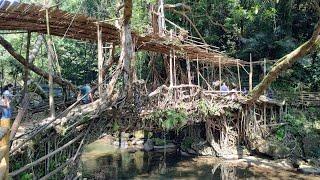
(228, 120)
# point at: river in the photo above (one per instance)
(102, 161)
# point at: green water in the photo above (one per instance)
(101, 161)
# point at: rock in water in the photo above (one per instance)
(148, 145)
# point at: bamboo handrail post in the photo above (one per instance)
(250, 74)
(198, 70)
(100, 58)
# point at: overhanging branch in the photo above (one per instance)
(284, 63)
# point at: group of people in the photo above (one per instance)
(224, 89)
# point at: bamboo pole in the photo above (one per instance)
(264, 70)
(50, 63)
(26, 68)
(174, 68)
(171, 75)
(100, 58)
(208, 75)
(198, 72)
(264, 104)
(239, 77)
(250, 74)
(188, 69)
(212, 71)
(220, 73)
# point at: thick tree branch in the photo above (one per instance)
(32, 67)
(284, 63)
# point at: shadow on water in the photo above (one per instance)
(107, 162)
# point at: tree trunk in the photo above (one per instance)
(126, 44)
(26, 68)
(40, 72)
(284, 63)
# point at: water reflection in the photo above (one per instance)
(106, 162)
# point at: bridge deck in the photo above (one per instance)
(31, 17)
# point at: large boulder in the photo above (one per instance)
(270, 147)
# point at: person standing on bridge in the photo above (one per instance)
(224, 88)
(85, 94)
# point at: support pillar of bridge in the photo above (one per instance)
(250, 74)
(198, 72)
(239, 77)
(100, 59)
(171, 69)
(188, 69)
(50, 64)
(220, 70)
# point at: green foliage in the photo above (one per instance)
(280, 133)
(303, 122)
(159, 141)
(115, 126)
(26, 176)
(170, 119)
(187, 142)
